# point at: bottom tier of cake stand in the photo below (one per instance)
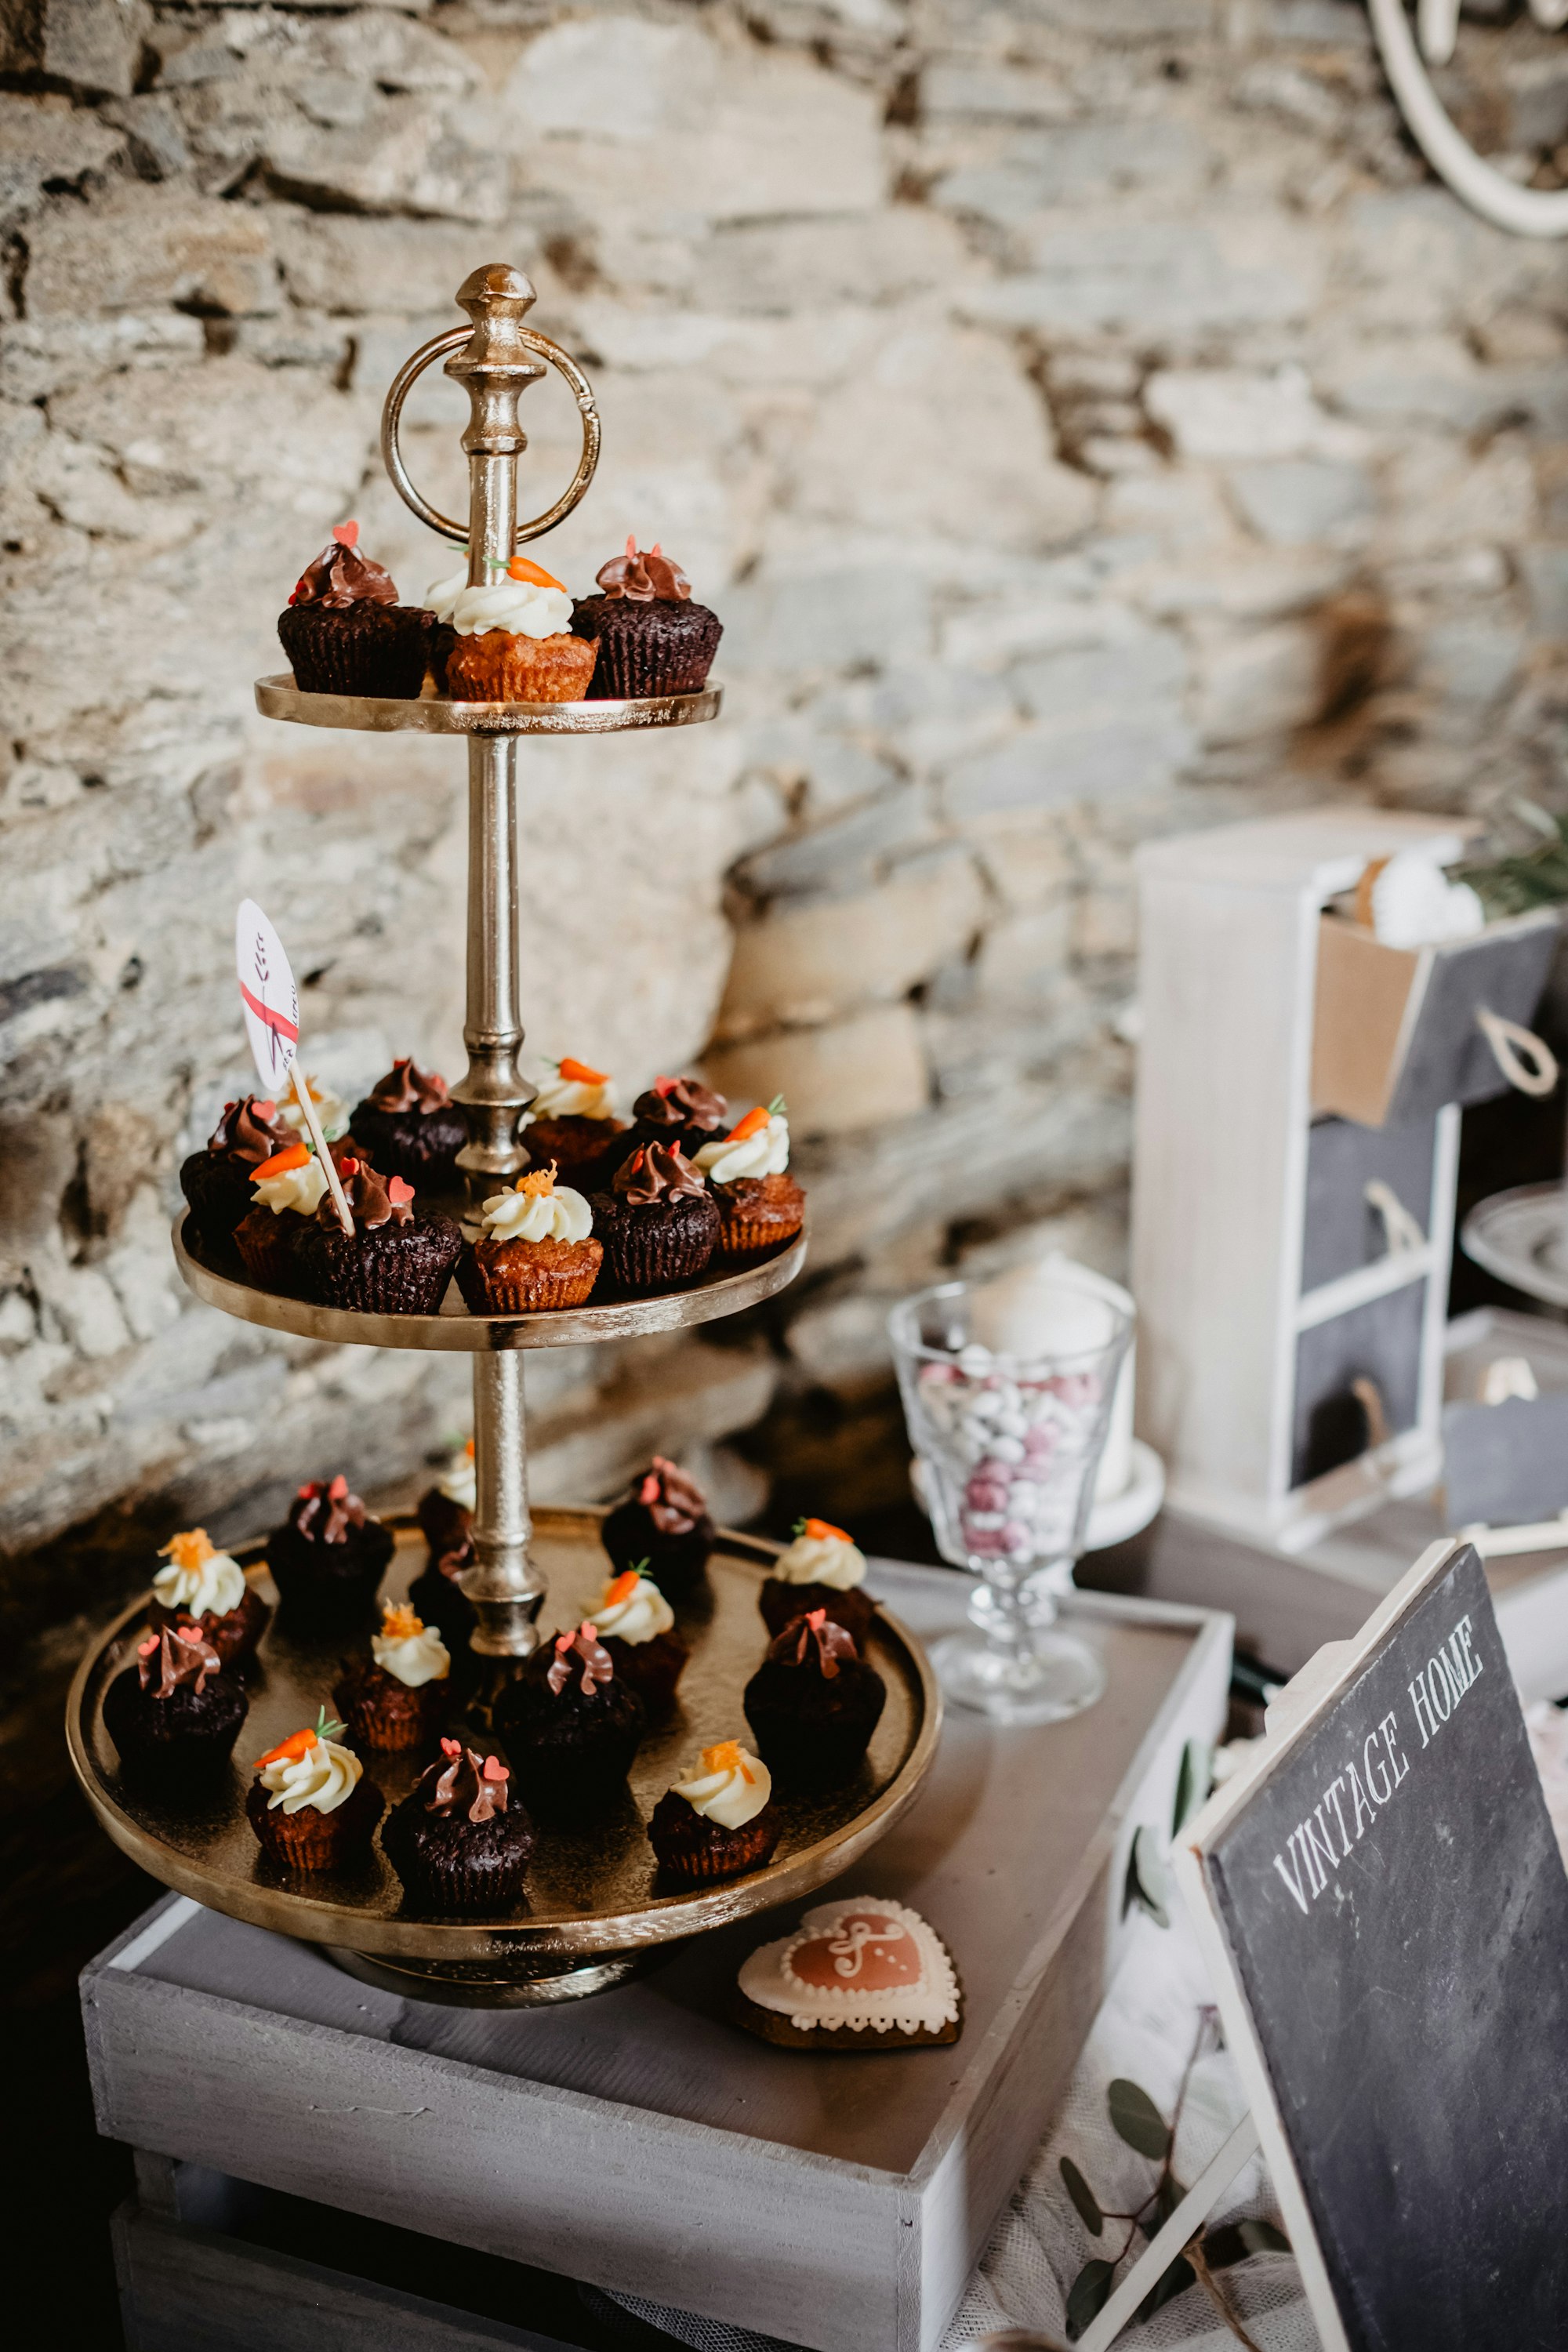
(598, 1909)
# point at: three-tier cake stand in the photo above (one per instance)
(595, 1910)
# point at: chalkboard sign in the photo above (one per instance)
(1387, 1915)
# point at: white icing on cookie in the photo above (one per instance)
(864, 1962)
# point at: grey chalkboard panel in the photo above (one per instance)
(1395, 1911)
(1506, 1464)
(1340, 1230)
(1450, 1060)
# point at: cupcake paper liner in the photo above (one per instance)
(363, 648)
(527, 1277)
(648, 649)
(380, 1712)
(499, 668)
(265, 1241)
(310, 1840)
(387, 1269)
(657, 1245)
(217, 1190)
(691, 1846)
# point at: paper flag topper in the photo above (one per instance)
(271, 1005)
(268, 995)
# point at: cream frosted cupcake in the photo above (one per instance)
(310, 1804)
(287, 1191)
(573, 1122)
(822, 1569)
(636, 1625)
(720, 1821)
(536, 1251)
(510, 640)
(396, 1698)
(761, 1206)
(332, 1113)
(200, 1583)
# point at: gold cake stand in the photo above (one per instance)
(598, 1908)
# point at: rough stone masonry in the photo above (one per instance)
(1089, 419)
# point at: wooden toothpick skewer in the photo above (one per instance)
(334, 1185)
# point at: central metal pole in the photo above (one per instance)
(494, 365)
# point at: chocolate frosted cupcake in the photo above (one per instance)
(285, 1192)
(572, 1123)
(720, 1821)
(440, 1600)
(174, 1715)
(217, 1182)
(814, 1704)
(410, 1126)
(329, 1557)
(203, 1586)
(510, 641)
(823, 1568)
(662, 1524)
(445, 1510)
(760, 1204)
(310, 1804)
(394, 1262)
(678, 1110)
(636, 1625)
(658, 1222)
(344, 631)
(536, 1251)
(652, 638)
(396, 1698)
(459, 1843)
(570, 1726)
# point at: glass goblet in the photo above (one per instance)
(1010, 1437)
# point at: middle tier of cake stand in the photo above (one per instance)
(598, 1908)
(455, 1330)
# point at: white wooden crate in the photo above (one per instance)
(637, 2141)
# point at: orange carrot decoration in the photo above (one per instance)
(753, 1124)
(621, 1588)
(293, 1155)
(293, 1748)
(579, 1073)
(521, 567)
(823, 1531)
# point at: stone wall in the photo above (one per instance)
(1089, 420)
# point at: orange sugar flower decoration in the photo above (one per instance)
(293, 1155)
(753, 1124)
(189, 1551)
(620, 1589)
(727, 1758)
(522, 567)
(579, 1074)
(540, 1183)
(399, 1623)
(823, 1531)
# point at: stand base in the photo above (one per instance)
(496, 1984)
(1061, 1677)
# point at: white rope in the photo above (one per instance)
(1537, 1073)
(1401, 1231)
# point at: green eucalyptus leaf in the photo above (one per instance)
(1147, 1878)
(1090, 2292)
(1083, 2197)
(1135, 2118)
(1174, 2281)
(1194, 1782)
